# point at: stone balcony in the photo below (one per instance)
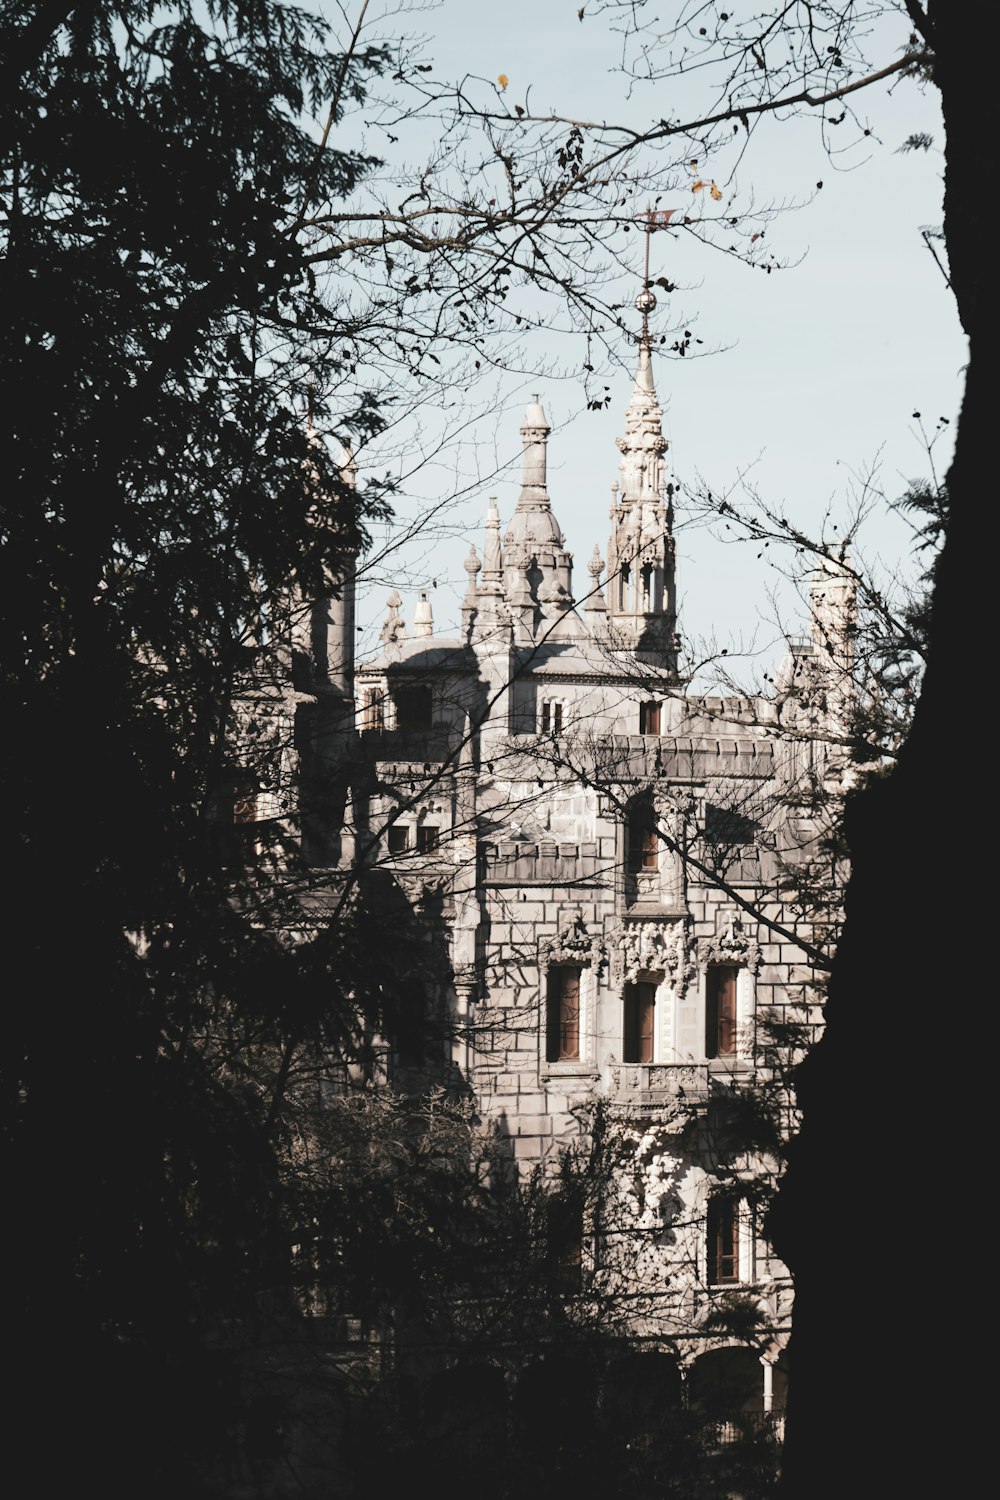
(652, 1083)
(685, 1083)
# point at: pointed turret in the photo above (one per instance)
(642, 613)
(491, 620)
(537, 567)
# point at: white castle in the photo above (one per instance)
(613, 869)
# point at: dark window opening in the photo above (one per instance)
(552, 718)
(723, 1240)
(565, 1244)
(649, 718)
(643, 839)
(239, 817)
(399, 838)
(428, 838)
(724, 825)
(414, 707)
(720, 1010)
(413, 1031)
(563, 1015)
(640, 1011)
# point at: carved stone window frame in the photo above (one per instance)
(655, 951)
(571, 947)
(731, 945)
(746, 1243)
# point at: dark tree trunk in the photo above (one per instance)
(884, 1210)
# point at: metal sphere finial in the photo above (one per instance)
(645, 302)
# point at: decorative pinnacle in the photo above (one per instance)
(645, 302)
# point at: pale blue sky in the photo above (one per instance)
(819, 367)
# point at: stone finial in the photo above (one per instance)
(492, 558)
(472, 566)
(595, 602)
(470, 602)
(394, 626)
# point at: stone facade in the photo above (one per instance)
(612, 857)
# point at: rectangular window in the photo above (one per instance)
(720, 1010)
(373, 711)
(723, 1241)
(643, 840)
(565, 1244)
(563, 1015)
(399, 838)
(428, 838)
(414, 707)
(552, 717)
(649, 718)
(640, 1011)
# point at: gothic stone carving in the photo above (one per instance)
(651, 948)
(731, 946)
(574, 945)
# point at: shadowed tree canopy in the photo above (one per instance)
(164, 341)
(164, 338)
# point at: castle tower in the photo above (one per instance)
(642, 604)
(333, 625)
(537, 567)
(833, 602)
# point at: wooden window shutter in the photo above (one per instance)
(639, 1021)
(720, 1010)
(563, 1015)
(723, 1240)
(642, 842)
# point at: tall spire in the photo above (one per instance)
(642, 606)
(492, 616)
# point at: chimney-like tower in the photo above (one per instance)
(333, 623)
